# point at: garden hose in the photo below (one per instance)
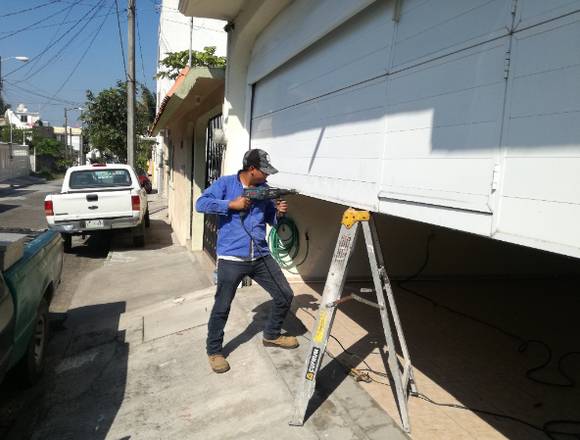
(284, 243)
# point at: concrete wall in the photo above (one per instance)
(14, 161)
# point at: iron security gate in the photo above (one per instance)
(213, 170)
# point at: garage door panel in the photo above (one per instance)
(359, 50)
(430, 29)
(533, 12)
(541, 181)
(352, 106)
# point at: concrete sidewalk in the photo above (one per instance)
(141, 371)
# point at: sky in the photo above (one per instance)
(73, 45)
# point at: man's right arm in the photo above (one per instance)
(212, 200)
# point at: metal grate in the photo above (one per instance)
(213, 170)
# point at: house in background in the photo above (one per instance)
(457, 124)
(187, 116)
(436, 112)
(177, 32)
(26, 117)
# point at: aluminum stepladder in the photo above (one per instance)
(402, 378)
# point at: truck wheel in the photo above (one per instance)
(32, 364)
(147, 219)
(67, 242)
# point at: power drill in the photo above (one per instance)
(267, 193)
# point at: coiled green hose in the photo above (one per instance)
(284, 243)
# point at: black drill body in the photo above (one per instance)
(267, 193)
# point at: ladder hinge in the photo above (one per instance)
(495, 178)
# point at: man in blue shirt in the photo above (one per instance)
(242, 251)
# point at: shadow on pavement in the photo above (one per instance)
(83, 385)
(292, 325)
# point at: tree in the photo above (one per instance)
(175, 61)
(105, 122)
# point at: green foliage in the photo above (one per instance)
(175, 61)
(17, 134)
(105, 122)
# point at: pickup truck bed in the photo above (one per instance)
(26, 289)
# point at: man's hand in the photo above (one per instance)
(282, 207)
(240, 204)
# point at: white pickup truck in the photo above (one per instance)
(98, 197)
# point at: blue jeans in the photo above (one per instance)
(266, 272)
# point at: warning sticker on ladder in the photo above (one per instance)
(319, 333)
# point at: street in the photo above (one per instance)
(22, 207)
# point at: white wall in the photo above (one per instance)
(174, 31)
(14, 161)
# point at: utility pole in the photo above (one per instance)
(65, 133)
(81, 151)
(131, 85)
(190, 41)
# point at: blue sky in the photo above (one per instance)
(55, 34)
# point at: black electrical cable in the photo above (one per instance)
(546, 428)
(121, 39)
(84, 54)
(140, 47)
(12, 33)
(78, 23)
(22, 11)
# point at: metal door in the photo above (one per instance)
(213, 170)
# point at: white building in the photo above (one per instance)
(175, 33)
(26, 117)
(440, 112)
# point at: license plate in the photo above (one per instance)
(89, 224)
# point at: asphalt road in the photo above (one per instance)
(23, 207)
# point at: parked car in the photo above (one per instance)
(98, 197)
(144, 181)
(30, 272)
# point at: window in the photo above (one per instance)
(99, 179)
(23, 118)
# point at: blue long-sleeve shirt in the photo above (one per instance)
(233, 240)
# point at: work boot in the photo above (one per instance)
(218, 363)
(281, 341)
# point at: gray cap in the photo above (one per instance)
(260, 159)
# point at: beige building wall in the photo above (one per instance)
(186, 162)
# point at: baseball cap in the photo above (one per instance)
(260, 159)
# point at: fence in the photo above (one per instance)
(14, 161)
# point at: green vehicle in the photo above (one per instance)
(30, 272)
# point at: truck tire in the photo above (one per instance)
(67, 238)
(147, 219)
(31, 365)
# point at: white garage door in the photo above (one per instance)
(362, 115)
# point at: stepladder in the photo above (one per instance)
(399, 368)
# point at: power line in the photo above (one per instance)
(48, 26)
(22, 11)
(140, 47)
(40, 95)
(33, 24)
(94, 10)
(95, 35)
(121, 38)
(37, 59)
